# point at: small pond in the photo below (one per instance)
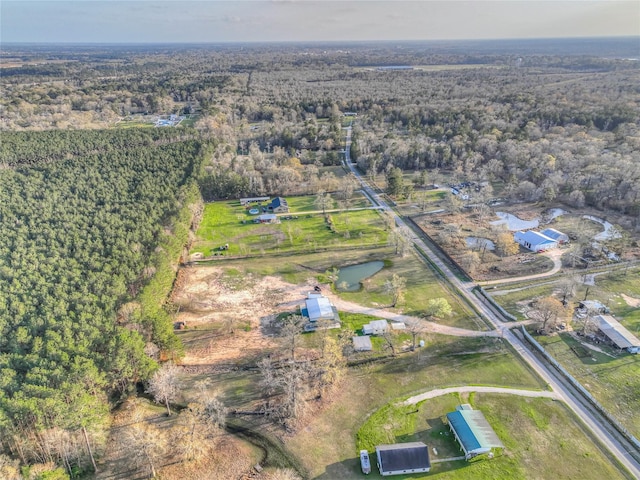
(478, 243)
(514, 223)
(349, 278)
(254, 211)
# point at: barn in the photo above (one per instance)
(617, 334)
(534, 241)
(403, 458)
(472, 431)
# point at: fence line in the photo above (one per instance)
(618, 426)
(485, 296)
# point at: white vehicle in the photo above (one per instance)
(365, 464)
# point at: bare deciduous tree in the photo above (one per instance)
(550, 310)
(414, 328)
(164, 385)
(395, 287)
(146, 444)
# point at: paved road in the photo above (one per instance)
(468, 389)
(611, 442)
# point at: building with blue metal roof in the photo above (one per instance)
(472, 431)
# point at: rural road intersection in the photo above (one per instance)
(612, 442)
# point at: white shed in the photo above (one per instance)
(375, 327)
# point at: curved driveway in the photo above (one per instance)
(468, 389)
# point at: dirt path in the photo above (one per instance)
(345, 306)
(554, 255)
(468, 389)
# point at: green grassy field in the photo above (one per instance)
(535, 432)
(228, 222)
(422, 286)
(327, 446)
(615, 382)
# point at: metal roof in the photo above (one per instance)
(362, 344)
(473, 430)
(319, 308)
(534, 238)
(278, 202)
(553, 234)
(403, 456)
(619, 335)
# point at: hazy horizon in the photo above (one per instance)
(295, 21)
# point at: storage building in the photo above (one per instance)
(403, 458)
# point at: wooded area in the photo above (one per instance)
(90, 241)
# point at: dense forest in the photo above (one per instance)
(90, 240)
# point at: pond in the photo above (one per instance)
(478, 243)
(350, 278)
(514, 223)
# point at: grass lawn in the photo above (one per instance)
(514, 297)
(531, 429)
(615, 382)
(298, 269)
(228, 222)
(576, 225)
(327, 445)
(421, 201)
(422, 285)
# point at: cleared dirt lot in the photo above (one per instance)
(225, 312)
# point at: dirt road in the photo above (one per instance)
(468, 389)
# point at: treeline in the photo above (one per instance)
(88, 250)
(30, 148)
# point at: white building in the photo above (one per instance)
(375, 327)
(534, 241)
(318, 307)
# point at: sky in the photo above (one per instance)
(163, 21)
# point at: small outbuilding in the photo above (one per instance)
(375, 327)
(472, 431)
(403, 458)
(248, 201)
(362, 344)
(534, 241)
(267, 218)
(556, 235)
(618, 334)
